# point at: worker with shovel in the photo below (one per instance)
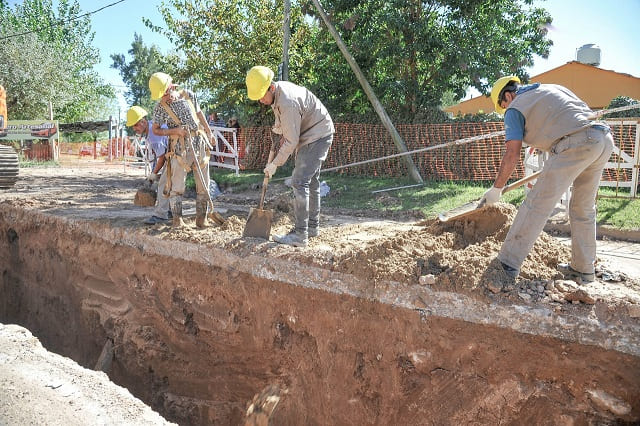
(158, 145)
(552, 119)
(189, 144)
(306, 129)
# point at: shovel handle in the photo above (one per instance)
(473, 206)
(521, 182)
(265, 181)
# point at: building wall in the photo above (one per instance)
(596, 86)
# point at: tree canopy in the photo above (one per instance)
(411, 51)
(46, 54)
(145, 61)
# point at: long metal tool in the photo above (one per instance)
(213, 215)
(462, 141)
(259, 220)
(474, 206)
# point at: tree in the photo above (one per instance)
(135, 74)
(222, 39)
(411, 51)
(414, 51)
(622, 101)
(45, 57)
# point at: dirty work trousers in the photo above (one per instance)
(306, 183)
(162, 202)
(179, 174)
(578, 159)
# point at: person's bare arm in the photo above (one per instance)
(159, 131)
(509, 162)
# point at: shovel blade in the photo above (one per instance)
(216, 217)
(461, 211)
(258, 224)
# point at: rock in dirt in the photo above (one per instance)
(145, 197)
(609, 402)
(263, 405)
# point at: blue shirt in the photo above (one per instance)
(514, 120)
(157, 144)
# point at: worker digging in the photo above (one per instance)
(136, 119)
(552, 119)
(307, 130)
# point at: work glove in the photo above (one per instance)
(270, 170)
(152, 178)
(492, 196)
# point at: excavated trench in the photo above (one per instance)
(198, 331)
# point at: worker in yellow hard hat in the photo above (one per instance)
(157, 147)
(190, 141)
(307, 129)
(554, 120)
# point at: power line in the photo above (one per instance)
(61, 22)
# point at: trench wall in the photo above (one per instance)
(197, 332)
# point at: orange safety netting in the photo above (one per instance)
(478, 160)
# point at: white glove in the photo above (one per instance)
(270, 170)
(152, 178)
(492, 196)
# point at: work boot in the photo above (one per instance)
(571, 274)
(312, 232)
(153, 220)
(176, 210)
(510, 270)
(201, 213)
(293, 238)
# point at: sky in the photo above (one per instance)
(612, 25)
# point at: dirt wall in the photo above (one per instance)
(197, 332)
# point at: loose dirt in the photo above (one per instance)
(350, 340)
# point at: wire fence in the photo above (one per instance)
(475, 161)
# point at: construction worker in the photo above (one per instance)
(552, 119)
(158, 146)
(189, 143)
(307, 130)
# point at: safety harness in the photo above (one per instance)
(177, 146)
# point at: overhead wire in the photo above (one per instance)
(60, 22)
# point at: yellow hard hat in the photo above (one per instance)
(500, 84)
(135, 114)
(258, 81)
(159, 82)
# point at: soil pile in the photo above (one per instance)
(459, 254)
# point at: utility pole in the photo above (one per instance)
(286, 30)
(386, 121)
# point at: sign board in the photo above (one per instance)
(29, 129)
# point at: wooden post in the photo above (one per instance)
(286, 29)
(386, 121)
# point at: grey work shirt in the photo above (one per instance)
(300, 118)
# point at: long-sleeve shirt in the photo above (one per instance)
(300, 117)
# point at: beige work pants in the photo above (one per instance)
(579, 160)
(162, 202)
(179, 174)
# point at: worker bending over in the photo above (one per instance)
(307, 130)
(552, 119)
(136, 118)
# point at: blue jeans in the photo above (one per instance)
(306, 183)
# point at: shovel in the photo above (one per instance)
(259, 220)
(473, 206)
(213, 215)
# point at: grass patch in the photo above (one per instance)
(431, 198)
(24, 163)
(618, 210)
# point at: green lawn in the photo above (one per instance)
(431, 198)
